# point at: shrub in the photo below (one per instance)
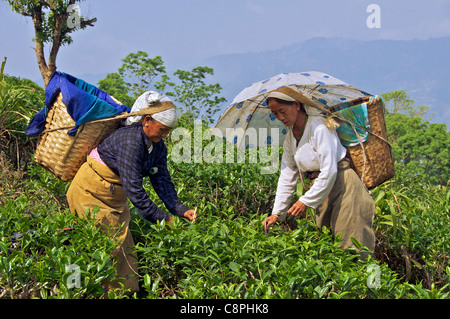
(41, 243)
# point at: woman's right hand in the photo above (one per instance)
(269, 221)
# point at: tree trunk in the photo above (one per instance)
(56, 44)
(43, 68)
(47, 69)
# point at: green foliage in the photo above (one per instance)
(197, 97)
(234, 258)
(225, 253)
(20, 99)
(140, 73)
(136, 75)
(54, 17)
(399, 102)
(420, 149)
(417, 217)
(220, 255)
(35, 263)
(53, 22)
(115, 85)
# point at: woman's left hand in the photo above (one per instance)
(191, 215)
(298, 209)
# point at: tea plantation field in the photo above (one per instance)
(225, 253)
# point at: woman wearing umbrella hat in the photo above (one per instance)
(312, 147)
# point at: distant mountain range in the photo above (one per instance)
(419, 67)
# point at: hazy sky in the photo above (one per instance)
(184, 32)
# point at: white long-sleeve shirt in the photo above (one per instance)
(318, 150)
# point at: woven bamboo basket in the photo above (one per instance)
(63, 154)
(372, 160)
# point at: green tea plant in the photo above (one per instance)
(225, 253)
(412, 224)
(224, 258)
(39, 243)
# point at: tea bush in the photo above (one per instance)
(35, 257)
(40, 240)
(413, 223)
(225, 253)
(224, 258)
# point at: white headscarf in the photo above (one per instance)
(168, 117)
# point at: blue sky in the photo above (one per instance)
(185, 32)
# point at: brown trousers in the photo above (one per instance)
(349, 209)
(91, 187)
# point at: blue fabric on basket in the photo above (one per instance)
(356, 114)
(84, 103)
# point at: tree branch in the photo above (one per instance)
(26, 14)
(37, 21)
(89, 22)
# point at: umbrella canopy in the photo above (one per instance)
(249, 110)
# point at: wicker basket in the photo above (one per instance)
(372, 160)
(63, 154)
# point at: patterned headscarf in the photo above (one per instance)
(310, 110)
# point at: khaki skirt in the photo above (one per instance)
(96, 185)
(349, 209)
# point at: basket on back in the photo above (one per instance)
(63, 154)
(372, 160)
(76, 117)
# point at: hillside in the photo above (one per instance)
(419, 67)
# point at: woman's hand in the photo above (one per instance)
(269, 221)
(298, 209)
(191, 215)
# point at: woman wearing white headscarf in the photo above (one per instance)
(312, 147)
(115, 169)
